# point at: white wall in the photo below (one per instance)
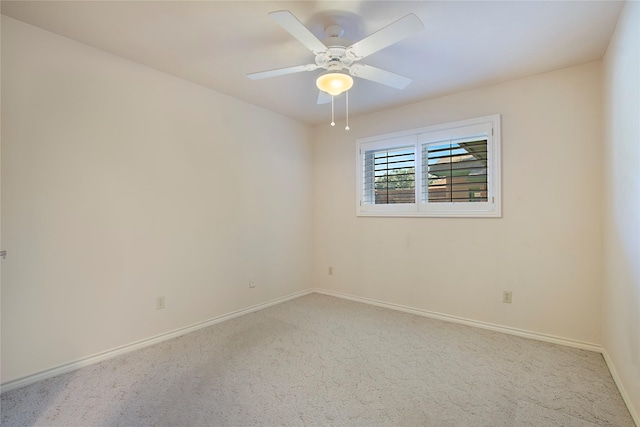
(621, 296)
(120, 184)
(547, 247)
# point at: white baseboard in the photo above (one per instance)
(90, 360)
(484, 325)
(623, 392)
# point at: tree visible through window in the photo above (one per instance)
(394, 176)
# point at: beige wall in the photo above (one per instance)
(621, 296)
(121, 184)
(547, 247)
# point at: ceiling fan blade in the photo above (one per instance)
(392, 33)
(379, 75)
(297, 30)
(323, 97)
(282, 71)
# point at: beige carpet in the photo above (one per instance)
(319, 361)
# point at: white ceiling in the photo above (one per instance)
(215, 43)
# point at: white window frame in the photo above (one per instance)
(485, 127)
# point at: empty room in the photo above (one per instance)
(314, 213)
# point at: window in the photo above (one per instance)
(393, 176)
(446, 170)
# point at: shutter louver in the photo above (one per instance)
(455, 171)
(389, 176)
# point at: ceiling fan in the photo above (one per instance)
(339, 58)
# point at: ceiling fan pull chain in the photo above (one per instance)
(333, 123)
(347, 96)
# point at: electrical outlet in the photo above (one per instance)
(506, 297)
(330, 271)
(159, 303)
(252, 282)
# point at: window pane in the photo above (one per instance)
(455, 172)
(389, 176)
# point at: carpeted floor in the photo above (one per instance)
(320, 360)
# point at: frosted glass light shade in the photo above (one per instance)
(334, 83)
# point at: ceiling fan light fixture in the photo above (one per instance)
(334, 83)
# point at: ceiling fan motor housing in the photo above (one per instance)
(334, 58)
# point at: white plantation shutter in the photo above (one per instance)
(389, 176)
(446, 170)
(455, 171)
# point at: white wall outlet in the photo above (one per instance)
(330, 271)
(159, 303)
(506, 297)
(252, 282)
